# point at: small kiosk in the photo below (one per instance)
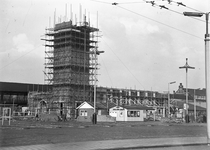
(129, 112)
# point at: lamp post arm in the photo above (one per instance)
(193, 14)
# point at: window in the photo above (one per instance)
(138, 113)
(83, 113)
(129, 113)
(133, 114)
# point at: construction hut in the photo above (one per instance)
(129, 112)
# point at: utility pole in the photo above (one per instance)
(186, 66)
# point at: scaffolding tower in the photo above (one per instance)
(70, 60)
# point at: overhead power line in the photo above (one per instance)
(160, 22)
(101, 2)
(154, 4)
(114, 3)
(16, 59)
(181, 4)
(166, 8)
(126, 3)
(124, 65)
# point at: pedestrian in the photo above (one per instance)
(59, 118)
(204, 118)
(64, 117)
(37, 117)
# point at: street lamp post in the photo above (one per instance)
(194, 105)
(186, 66)
(169, 97)
(107, 103)
(207, 67)
(13, 99)
(96, 52)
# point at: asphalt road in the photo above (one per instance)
(66, 132)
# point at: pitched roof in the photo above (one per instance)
(140, 107)
(85, 105)
(110, 105)
(98, 105)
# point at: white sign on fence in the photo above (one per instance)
(186, 106)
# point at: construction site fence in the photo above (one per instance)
(24, 114)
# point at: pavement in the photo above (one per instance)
(117, 144)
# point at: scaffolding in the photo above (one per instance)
(70, 60)
(37, 101)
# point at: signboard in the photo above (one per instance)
(179, 115)
(186, 106)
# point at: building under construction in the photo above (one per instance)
(71, 63)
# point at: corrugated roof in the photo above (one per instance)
(98, 105)
(191, 106)
(181, 96)
(198, 92)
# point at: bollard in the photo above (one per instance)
(94, 118)
(187, 119)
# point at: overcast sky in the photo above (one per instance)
(144, 45)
